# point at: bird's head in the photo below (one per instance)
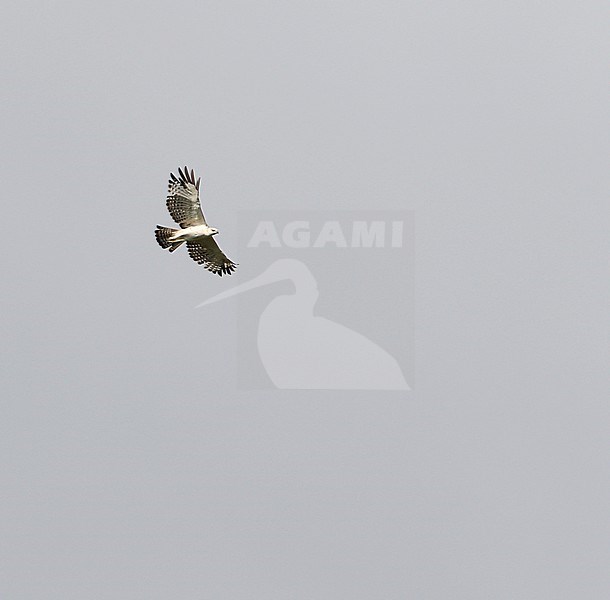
(213, 231)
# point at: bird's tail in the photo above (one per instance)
(164, 235)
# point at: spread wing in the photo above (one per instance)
(183, 199)
(206, 252)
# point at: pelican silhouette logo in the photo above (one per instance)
(316, 315)
(302, 351)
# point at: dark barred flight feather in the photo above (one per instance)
(207, 253)
(183, 199)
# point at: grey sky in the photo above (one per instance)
(130, 466)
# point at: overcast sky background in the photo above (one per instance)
(129, 469)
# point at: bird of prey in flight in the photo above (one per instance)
(184, 207)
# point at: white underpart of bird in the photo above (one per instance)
(184, 206)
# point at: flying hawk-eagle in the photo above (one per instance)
(184, 207)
